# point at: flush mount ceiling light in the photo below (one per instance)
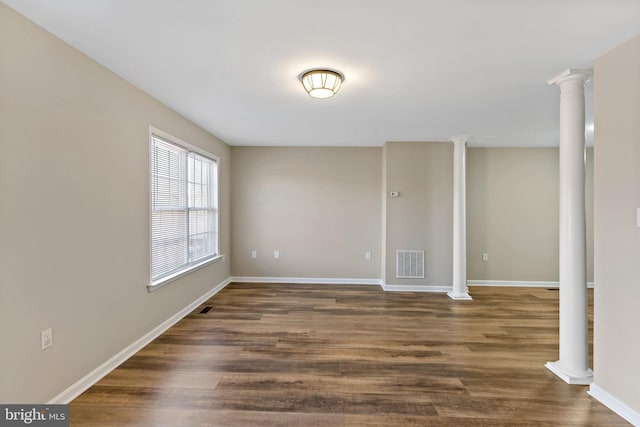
(321, 83)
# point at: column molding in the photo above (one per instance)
(459, 289)
(573, 364)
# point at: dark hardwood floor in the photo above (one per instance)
(324, 355)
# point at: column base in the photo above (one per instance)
(459, 296)
(585, 379)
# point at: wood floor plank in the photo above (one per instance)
(97, 416)
(160, 379)
(318, 355)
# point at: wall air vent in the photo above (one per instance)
(410, 264)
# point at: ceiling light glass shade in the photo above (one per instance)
(321, 83)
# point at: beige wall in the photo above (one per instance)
(319, 207)
(421, 218)
(74, 216)
(512, 213)
(617, 238)
(512, 209)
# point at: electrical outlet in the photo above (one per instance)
(367, 255)
(485, 257)
(254, 254)
(46, 338)
(276, 254)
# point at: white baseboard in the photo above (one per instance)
(416, 288)
(518, 283)
(329, 281)
(98, 373)
(395, 287)
(615, 405)
(306, 280)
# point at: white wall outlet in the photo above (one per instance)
(394, 194)
(485, 257)
(254, 254)
(276, 254)
(367, 255)
(46, 338)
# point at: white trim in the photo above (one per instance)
(393, 287)
(189, 147)
(153, 131)
(615, 405)
(518, 283)
(328, 281)
(306, 280)
(416, 288)
(98, 373)
(166, 280)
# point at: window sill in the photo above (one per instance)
(154, 286)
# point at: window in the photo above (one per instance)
(184, 208)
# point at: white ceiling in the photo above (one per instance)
(416, 70)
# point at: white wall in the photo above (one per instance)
(74, 215)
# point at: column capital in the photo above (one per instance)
(571, 74)
(460, 139)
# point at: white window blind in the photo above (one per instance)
(184, 209)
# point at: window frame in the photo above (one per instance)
(215, 189)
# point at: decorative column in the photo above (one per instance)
(573, 365)
(459, 290)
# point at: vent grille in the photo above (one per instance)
(410, 264)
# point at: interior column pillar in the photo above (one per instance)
(573, 365)
(460, 290)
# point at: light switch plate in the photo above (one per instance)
(46, 338)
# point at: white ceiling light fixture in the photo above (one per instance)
(321, 83)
